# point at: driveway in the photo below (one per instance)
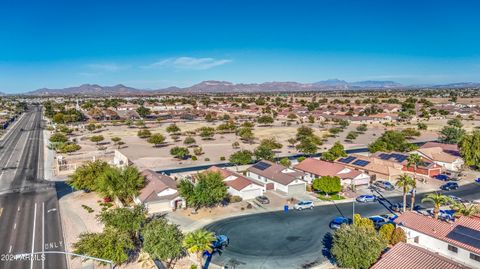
(293, 239)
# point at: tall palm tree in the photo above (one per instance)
(414, 160)
(405, 182)
(467, 210)
(197, 242)
(438, 200)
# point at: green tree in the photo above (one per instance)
(265, 120)
(405, 182)
(97, 138)
(363, 222)
(285, 162)
(122, 183)
(327, 184)
(189, 141)
(124, 219)
(86, 176)
(163, 241)
(115, 139)
(179, 152)
(356, 246)
(241, 157)
(58, 138)
(307, 146)
(451, 135)
(143, 111)
(271, 143)
(246, 134)
(198, 242)
(386, 232)
(144, 133)
(208, 191)
(173, 128)
(410, 132)
(206, 132)
(335, 152)
(391, 141)
(68, 147)
(467, 210)
(263, 152)
(422, 126)
(362, 128)
(438, 201)
(304, 132)
(414, 160)
(352, 135)
(91, 127)
(110, 245)
(156, 139)
(470, 148)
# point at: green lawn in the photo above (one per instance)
(333, 197)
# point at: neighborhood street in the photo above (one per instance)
(29, 217)
(295, 239)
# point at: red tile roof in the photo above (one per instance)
(324, 168)
(408, 256)
(154, 184)
(439, 229)
(275, 172)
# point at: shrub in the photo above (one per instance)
(386, 232)
(398, 236)
(235, 199)
(87, 208)
(301, 159)
(194, 158)
(207, 159)
(222, 158)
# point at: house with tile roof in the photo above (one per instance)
(314, 168)
(458, 240)
(376, 168)
(427, 167)
(160, 193)
(408, 256)
(238, 185)
(444, 155)
(278, 177)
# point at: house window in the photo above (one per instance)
(453, 248)
(475, 257)
(416, 239)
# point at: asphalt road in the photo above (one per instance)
(294, 239)
(29, 215)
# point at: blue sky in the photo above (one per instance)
(155, 44)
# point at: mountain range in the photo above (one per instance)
(213, 86)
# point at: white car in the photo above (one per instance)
(303, 205)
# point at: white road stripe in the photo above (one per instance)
(43, 233)
(15, 226)
(33, 238)
(10, 249)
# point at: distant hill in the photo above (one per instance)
(89, 90)
(213, 86)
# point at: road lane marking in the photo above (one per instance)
(10, 249)
(15, 226)
(43, 233)
(1, 211)
(33, 238)
(51, 210)
(18, 209)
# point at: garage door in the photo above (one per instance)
(159, 207)
(250, 194)
(296, 189)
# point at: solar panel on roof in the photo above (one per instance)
(384, 156)
(465, 235)
(261, 166)
(361, 163)
(347, 159)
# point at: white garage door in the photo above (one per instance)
(250, 194)
(296, 189)
(159, 207)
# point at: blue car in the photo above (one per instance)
(442, 177)
(337, 222)
(449, 186)
(379, 221)
(477, 180)
(366, 198)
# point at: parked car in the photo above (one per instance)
(263, 199)
(443, 214)
(442, 177)
(379, 221)
(456, 198)
(384, 185)
(303, 205)
(399, 207)
(449, 186)
(366, 198)
(337, 222)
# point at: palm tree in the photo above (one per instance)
(198, 242)
(414, 160)
(123, 184)
(405, 182)
(467, 210)
(438, 200)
